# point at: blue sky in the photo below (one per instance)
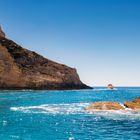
(101, 38)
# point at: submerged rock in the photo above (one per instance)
(135, 104)
(104, 106)
(24, 69)
(110, 86)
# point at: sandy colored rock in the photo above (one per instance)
(104, 106)
(135, 104)
(24, 69)
(137, 100)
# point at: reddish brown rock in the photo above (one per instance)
(104, 106)
(135, 104)
(2, 34)
(23, 69)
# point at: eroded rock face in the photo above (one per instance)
(10, 74)
(2, 34)
(23, 69)
(135, 104)
(104, 106)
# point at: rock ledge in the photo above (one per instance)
(104, 106)
(134, 105)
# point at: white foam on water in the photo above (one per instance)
(73, 108)
(127, 114)
(79, 108)
(104, 89)
(71, 138)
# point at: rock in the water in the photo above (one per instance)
(110, 86)
(24, 69)
(135, 104)
(2, 34)
(137, 100)
(104, 106)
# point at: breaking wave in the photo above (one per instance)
(73, 108)
(118, 114)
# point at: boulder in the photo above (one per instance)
(104, 106)
(135, 104)
(137, 100)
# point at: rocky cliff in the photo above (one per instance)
(24, 69)
(2, 34)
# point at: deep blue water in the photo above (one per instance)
(60, 115)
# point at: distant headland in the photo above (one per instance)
(24, 69)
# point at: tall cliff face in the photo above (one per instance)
(23, 69)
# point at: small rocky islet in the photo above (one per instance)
(97, 106)
(110, 86)
(24, 69)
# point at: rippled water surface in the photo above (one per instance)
(60, 115)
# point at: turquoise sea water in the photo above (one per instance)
(60, 115)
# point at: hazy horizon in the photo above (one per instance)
(99, 38)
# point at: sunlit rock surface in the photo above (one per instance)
(135, 104)
(104, 106)
(24, 69)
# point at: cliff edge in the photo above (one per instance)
(24, 69)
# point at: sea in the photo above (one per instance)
(61, 115)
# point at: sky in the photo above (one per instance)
(100, 38)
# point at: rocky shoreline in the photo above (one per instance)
(97, 106)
